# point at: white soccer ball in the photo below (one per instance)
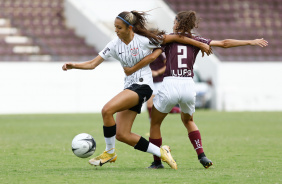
(83, 145)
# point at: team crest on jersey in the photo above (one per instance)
(134, 52)
(106, 50)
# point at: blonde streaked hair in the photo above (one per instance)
(137, 19)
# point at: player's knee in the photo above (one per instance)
(187, 121)
(107, 111)
(121, 137)
(156, 124)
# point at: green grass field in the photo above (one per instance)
(245, 147)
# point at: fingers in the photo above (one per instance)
(67, 66)
(209, 52)
(64, 67)
(263, 43)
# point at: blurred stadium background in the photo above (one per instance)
(38, 36)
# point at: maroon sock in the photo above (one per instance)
(175, 110)
(149, 111)
(195, 138)
(157, 142)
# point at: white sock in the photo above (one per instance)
(110, 143)
(155, 150)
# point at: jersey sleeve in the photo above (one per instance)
(107, 51)
(203, 40)
(149, 44)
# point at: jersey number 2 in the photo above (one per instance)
(183, 50)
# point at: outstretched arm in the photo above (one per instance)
(236, 43)
(88, 65)
(145, 61)
(183, 39)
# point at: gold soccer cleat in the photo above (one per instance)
(105, 157)
(166, 157)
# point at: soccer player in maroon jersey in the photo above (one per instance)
(133, 43)
(178, 85)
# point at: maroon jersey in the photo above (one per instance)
(180, 58)
(156, 65)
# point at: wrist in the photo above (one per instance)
(202, 45)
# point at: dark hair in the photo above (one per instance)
(187, 20)
(138, 21)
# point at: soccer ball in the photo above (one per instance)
(83, 145)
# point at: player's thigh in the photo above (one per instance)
(185, 117)
(157, 117)
(150, 101)
(156, 120)
(122, 101)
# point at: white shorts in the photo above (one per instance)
(176, 90)
(155, 87)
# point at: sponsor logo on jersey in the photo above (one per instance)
(106, 50)
(134, 52)
(181, 73)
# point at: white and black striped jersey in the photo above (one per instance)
(129, 55)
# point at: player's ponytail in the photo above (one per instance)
(138, 22)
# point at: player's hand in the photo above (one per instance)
(206, 49)
(67, 66)
(155, 73)
(260, 42)
(127, 71)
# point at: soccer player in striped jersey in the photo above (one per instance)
(178, 85)
(132, 44)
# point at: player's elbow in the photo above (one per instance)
(225, 44)
(93, 67)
